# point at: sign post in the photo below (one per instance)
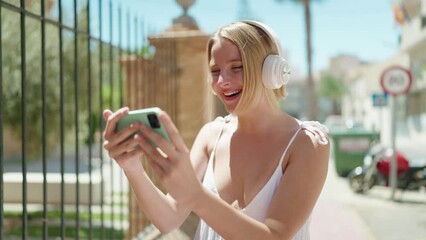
(379, 99)
(395, 81)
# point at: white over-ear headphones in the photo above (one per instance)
(275, 70)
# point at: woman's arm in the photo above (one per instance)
(163, 211)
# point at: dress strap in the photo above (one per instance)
(289, 144)
(314, 127)
(225, 120)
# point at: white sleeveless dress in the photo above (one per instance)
(258, 207)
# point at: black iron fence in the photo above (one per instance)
(59, 68)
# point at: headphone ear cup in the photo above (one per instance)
(275, 72)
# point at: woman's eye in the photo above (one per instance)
(215, 72)
(237, 68)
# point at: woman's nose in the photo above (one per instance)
(223, 79)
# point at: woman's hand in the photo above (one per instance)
(171, 163)
(124, 150)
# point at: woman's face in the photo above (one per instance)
(227, 72)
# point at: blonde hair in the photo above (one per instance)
(254, 46)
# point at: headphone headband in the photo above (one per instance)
(271, 34)
(275, 70)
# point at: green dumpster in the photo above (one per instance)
(349, 147)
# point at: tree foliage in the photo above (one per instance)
(333, 89)
(12, 84)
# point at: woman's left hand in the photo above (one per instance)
(171, 163)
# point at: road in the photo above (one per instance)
(341, 214)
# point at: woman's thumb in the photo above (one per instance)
(107, 113)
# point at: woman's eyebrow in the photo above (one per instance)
(212, 63)
(236, 61)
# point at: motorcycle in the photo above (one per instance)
(376, 171)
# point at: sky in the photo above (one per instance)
(364, 28)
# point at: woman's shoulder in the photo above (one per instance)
(215, 124)
(207, 136)
(317, 132)
(312, 140)
(312, 131)
(211, 129)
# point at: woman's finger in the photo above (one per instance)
(173, 132)
(124, 147)
(121, 135)
(168, 147)
(158, 140)
(153, 154)
(106, 114)
(112, 119)
(128, 155)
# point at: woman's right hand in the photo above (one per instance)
(124, 150)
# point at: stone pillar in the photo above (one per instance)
(193, 97)
(174, 79)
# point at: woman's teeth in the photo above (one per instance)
(229, 94)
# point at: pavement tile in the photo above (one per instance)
(334, 220)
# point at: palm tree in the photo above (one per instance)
(332, 89)
(312, 111)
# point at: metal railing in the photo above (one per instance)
(68, 72)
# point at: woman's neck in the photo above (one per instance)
(260, 120)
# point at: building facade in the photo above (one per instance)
(364, 81)
(413, 43)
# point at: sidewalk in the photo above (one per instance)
(342, 214)
(332, 218)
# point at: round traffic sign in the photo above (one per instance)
(396, 80)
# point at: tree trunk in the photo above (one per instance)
(335, 109)
(312, 107)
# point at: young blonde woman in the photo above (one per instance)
(255, 174)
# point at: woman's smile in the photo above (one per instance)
(230, 95)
